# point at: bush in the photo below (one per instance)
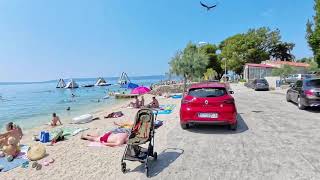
(242, 80)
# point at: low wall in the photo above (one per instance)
(272, 80)
(161, 89)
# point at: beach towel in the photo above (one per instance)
(121, 130)
(18, 161)
(176, 96)
(68, 131)
(167, 107)
(162, 112)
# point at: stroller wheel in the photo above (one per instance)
(155, 156)
(147, 171)
(123, 167)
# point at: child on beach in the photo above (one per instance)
(55, 120)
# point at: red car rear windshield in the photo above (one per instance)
(207, 92)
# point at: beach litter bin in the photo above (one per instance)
(44, 136)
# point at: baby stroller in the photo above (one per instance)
(142, 132)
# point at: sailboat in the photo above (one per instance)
(61, 84)
(72, 84)
(101, 82)
(124, 79)
(125, 82)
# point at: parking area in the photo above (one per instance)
(274, 140)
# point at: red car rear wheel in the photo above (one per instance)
(184, 126)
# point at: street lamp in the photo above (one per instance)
(225, 68)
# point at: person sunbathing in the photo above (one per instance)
(154, 103)
(55, 120)
(135, 104)
(107, 139)
(12, 131)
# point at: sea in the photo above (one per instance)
(32, 104)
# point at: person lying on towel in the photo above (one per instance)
(107, 139)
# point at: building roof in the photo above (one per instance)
(208, 84)
(295, 64)
(259, 65)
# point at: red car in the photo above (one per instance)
(208, 103)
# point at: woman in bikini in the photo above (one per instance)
(108, 139)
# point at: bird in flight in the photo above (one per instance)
(206, 6)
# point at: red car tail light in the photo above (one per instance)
(309, 93)
(186, 101)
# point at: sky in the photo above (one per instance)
(46, 40)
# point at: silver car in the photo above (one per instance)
(291, 79)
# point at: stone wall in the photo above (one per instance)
(174, 88)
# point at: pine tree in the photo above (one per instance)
(313, 32)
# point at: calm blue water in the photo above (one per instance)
(32, 104)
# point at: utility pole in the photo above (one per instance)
(225, 66)
(225, 69)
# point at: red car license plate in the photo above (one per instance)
(208, 115)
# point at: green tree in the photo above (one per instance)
(313, 32)
(314, 67)
(282, 51)
(190, 63)
(306, 60)
(211, 51)
(210, 74)
(250, 47)
(254, 46)
(283, 71)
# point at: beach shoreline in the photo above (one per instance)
(75, 160)
(96, 112)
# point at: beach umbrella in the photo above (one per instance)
(140, 90)
(129, 86)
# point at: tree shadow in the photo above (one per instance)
(212, 129)
(165, 158)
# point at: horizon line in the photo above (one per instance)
(45, 81)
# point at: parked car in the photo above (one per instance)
(260, 84)
(306, 93)
(293, 78)
(208, 103)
